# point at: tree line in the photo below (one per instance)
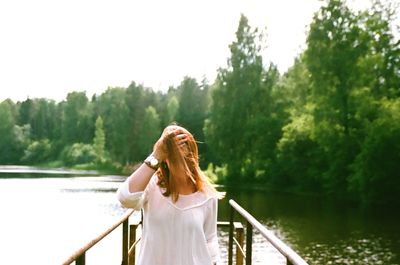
(330, 124)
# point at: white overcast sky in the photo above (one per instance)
(50, 47)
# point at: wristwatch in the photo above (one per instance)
(152, 162)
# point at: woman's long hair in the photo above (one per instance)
(183, 161)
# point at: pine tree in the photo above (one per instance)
(99, 140)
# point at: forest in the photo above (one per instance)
(329, 125)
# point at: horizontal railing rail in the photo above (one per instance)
(291, 256)
(80, 254)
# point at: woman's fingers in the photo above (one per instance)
(179, 136)
(181, 139)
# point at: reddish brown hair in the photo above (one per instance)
(183, 161)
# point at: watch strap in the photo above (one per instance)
(148, 160)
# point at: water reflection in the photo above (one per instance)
(54, 216)
(324, 231)
(352, 250)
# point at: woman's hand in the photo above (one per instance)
(160, 147)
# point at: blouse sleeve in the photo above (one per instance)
(134, 200)
(210, 229)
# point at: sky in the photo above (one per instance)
(49, 48)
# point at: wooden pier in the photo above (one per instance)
(236, 236)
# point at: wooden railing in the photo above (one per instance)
(128, 247)
(292, 258)
(129, 240)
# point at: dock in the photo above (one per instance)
(238, 233)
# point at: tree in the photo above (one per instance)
(376, 171)
(298, 161)
(8, 152)
(192, 107)
(112, 107)
(137, 100)
(26, 111)
(333, 49)
(172, 109)
(236, 90)
(150, 131)
(99, 140)
(380, 67)
(294, 89)
(76, 120)
(43, 119)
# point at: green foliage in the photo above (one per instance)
(10, 147)
(172, 109)
(192, 110)
(26, 112)
(192, 107)
(137, 100)
(217, 174)
(112, 107)
(247, 111)
(99, 140)
(37, 152)
(22, 136)
(300, 159)
(346, 52)
(294, 89)
(150, 131)
(236, 98)
(380, 67)
(78, 153)
(76, 119)
(376, 170)
(42, 120)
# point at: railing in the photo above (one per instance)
(129, 240)
(292, 258)
(128, 247)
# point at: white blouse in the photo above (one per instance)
(180, 233)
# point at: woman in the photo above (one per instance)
(179, 204)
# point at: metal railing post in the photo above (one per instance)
(81, 259)
(230, 242)
(249, 242)
(239, 238)
(132, 239)
(125, 249)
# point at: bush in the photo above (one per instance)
(216, 174)
(37, 152)
(78, 153)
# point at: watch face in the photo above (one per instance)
(153, 161)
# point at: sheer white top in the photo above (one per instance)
(180, 233)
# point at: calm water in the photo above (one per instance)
(322, 231)
(44, 220)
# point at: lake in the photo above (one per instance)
(44, 220)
